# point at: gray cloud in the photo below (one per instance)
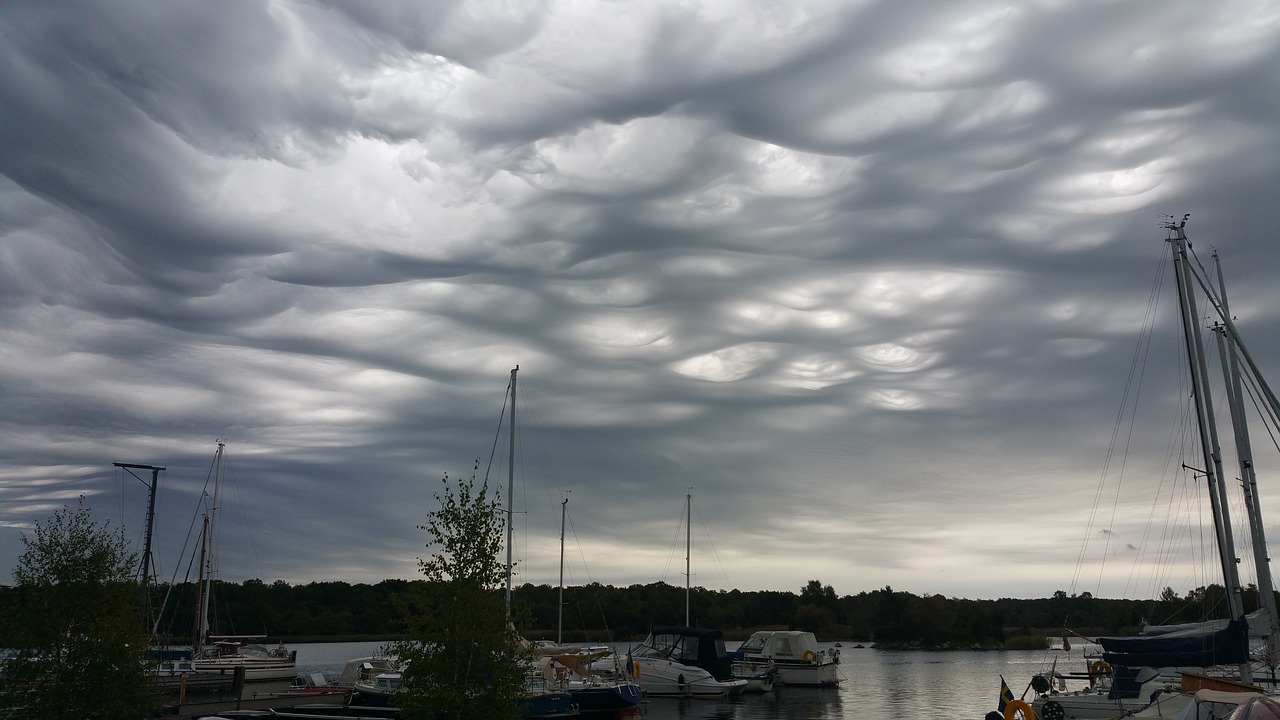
(868, 277)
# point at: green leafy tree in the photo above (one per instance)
(77, 632)
(463, 657)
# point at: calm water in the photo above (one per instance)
(878, 685)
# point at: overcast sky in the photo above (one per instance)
(866, 278)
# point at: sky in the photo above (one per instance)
(866, 279)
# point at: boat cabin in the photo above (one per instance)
(781, 646)
(699, 647)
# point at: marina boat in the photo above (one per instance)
(598, 694)
(222, 654)
(557, 670)
(260, 663)
(684, 662)
(361, 667)
(793, 654)
(1162, 669)
(573, 670)
(308, 686)
(1200, 705)
(541, 700)
(374, 681)
(173, 672)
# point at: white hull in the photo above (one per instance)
(808, 675)
(254, 670)
(1089, 706)
(665, 678)
(1093, 704)
(796, 656)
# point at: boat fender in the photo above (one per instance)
(1040, 684)
(1053, 711)
(835, 656)
(1012, 709)
(680, 680)
(809, 656)
(635, 668)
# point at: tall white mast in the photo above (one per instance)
(210, 546)
(1229, 359)
(1208, 431)
(511, 485)
(688, 525)
(560, 610)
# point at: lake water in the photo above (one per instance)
(878, 685)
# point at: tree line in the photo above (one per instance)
(608, 613)
(76, 628)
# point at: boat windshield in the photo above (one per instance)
(668, 645)
(755, 643)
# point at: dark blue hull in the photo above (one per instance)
(547, 705)
(607, 698)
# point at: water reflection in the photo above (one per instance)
(879, 684)
(781, 704)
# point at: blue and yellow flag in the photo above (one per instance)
(1006, 696)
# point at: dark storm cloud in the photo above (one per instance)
(867, 276)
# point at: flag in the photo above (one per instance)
(1006, 696)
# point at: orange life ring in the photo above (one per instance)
(1012, 709)
(809, 656)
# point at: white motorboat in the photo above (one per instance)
(684, 662)
(373, 680)
(794, 654)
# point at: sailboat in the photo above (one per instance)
(1159, 671)
(540, 698)
(571, 668)
(684, 661)
(225, 654)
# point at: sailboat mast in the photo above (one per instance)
(688, 525)
(560, 609)
(210, 545)
(197, 640)
(1206, 423)
(511, 485)
(1248, 478)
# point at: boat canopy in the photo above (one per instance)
(699, 647)
(1192, 645)
(1262, 707)
(780, 644)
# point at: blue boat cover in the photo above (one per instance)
(1190, 647)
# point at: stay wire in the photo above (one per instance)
(1137, 365)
